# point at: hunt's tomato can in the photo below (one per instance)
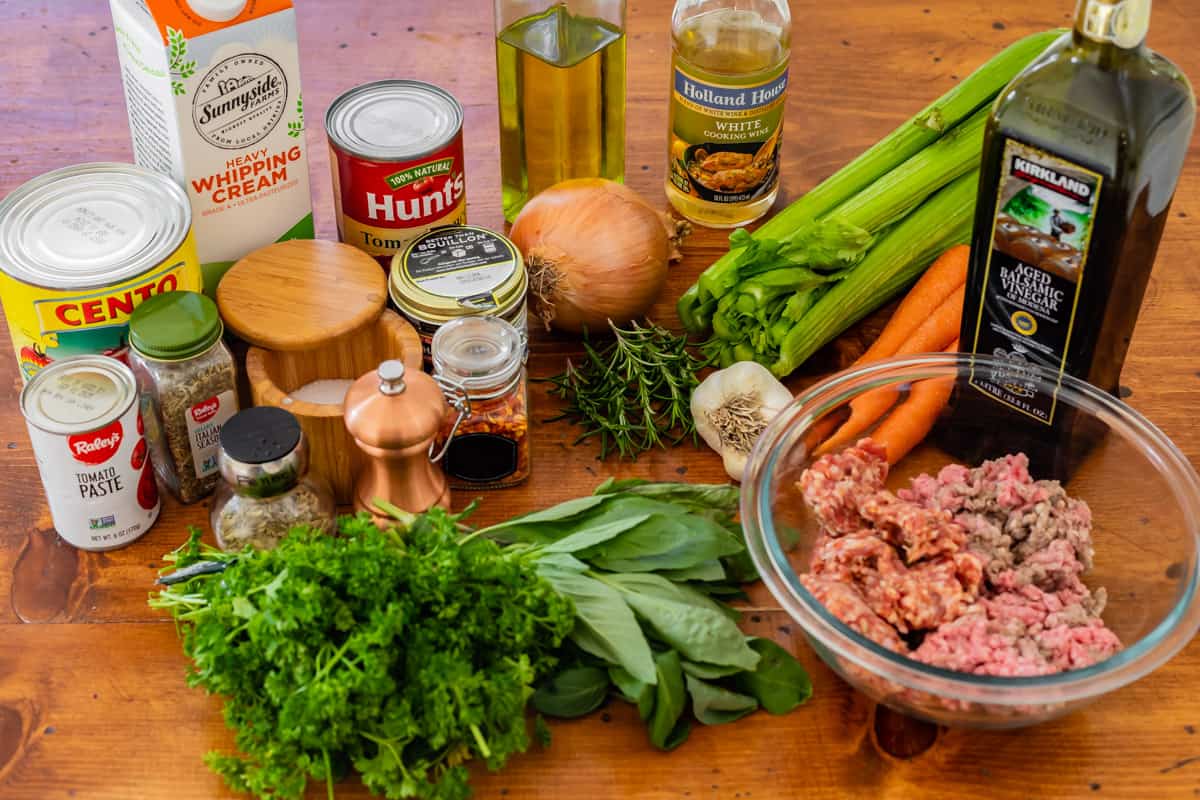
(80, 248)
(396, 152)
(86, 428)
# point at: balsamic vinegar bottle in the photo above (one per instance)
(1081, 157)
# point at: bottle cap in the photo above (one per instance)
(262, 451)
(174, 326)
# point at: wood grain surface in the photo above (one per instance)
(299, 294)
(93, 702)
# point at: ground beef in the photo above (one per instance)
(1027, 632)
(1008, 516)
(985, 562)
(919, 597)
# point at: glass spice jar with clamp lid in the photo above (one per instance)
(480, 364)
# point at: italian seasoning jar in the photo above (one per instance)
(480, 362)
(267, 490)
(187, 381)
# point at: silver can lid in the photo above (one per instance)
(91, 225)
(78, 395)
(393, 120)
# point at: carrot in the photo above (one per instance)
(911, 421)
(941, 279)
(936, 331)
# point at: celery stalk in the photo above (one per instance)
(975, 91)
(895, 261)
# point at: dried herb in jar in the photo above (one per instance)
(188, 385)
(267, 490)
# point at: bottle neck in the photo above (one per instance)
(1118, 23)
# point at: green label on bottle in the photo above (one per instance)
(1046, 212)
(725, 139)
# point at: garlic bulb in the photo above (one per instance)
(732, 407)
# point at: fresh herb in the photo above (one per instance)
(633, 393)
(643, 564)
(401, 656)
(404, 652)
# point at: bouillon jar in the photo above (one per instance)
(479, 361)
(187, 381)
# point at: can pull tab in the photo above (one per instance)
(460, 401)
(391, 377)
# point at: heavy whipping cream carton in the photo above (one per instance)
(213, 93)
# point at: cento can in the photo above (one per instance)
(87, 434)
(396, 153)
(80, 248)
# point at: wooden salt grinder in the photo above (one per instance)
(394, 416)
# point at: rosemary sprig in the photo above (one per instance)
(634, 393)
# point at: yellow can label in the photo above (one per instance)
(48, 324)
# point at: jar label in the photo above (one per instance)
(467, 264)
(481, 457)
(725, 138)
(204, 421)
(1046, 212)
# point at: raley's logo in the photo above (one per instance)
(98, 446)
(240, 101)
(98, 310)
(1074, 188)
(205, 410)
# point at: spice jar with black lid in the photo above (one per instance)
(187, 381)
(267, 489)
(482, 360)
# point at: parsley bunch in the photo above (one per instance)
(400, 655)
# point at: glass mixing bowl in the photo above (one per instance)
(1143, 493)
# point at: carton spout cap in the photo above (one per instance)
(217, 10)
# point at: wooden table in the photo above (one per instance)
(92, 697)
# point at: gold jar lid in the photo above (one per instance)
(455, 271)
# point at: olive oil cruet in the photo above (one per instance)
(561, 74)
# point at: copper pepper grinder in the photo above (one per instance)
(394, 418)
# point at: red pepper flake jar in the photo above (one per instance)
(480, 364)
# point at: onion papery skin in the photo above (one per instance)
(595, 251)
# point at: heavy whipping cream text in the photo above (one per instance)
(245, 175)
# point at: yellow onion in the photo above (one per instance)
(595, 251)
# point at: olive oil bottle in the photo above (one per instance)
(729, 72)
(1081, 157)
(562, 95)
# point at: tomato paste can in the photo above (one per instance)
(80, 248)
(86, 427)
(459, 271)
(396, 153)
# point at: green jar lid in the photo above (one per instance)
(174, 326)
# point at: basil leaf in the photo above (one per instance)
(713, 705)
(591, 535)
(686, 620)
(723, 498)
(708, 672)
(561, 561)
(572, 692)
(779, 682)
(670, 698)
(547, 525)
(604, 624)
(705, 571)
(664, 542)
(634, 691)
